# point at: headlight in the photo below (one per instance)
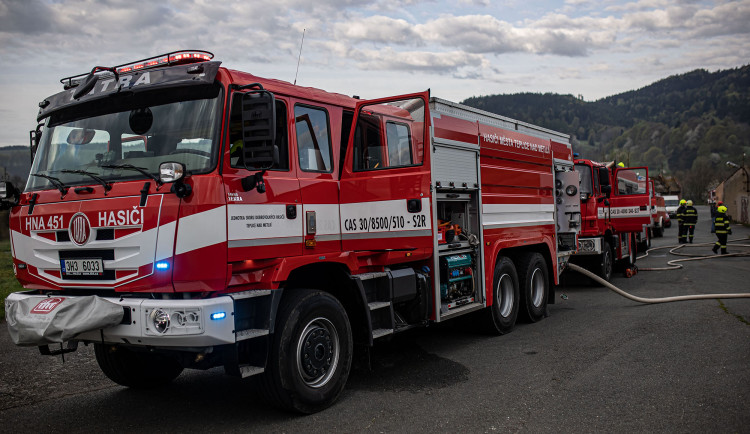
(160, 320)
(586, 245)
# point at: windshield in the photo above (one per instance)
(132, 133)
(584, 174)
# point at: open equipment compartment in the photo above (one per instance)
(459, 286)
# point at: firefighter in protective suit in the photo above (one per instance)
(690, 218)
(681, 221)
(721, 223)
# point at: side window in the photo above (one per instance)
(368, 145)
(313, 139)
(631, 181)
(235, 135)
(389, 135)
(399, 144)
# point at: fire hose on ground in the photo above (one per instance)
(673, 266)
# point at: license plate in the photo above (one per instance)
(81, 267)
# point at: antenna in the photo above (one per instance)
(300, 55)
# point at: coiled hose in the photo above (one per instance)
(673, 266)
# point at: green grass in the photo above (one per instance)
(8, 282)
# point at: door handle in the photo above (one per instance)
(413, 205)
(291, 212)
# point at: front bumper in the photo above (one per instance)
(190, 322)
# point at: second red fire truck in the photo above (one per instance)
(615, 210)
(180, 214)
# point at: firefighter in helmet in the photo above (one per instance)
(721, 223)
(714, 213)
(681, 221)
(690, 218)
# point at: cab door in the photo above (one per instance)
(629, 206)
(265, 224)
(385, 181)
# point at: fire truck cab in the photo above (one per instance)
(180, 214)
(614, 211)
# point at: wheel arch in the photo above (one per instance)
(335, 279)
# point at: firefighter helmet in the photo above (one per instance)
(722, 209)
(682, 202)
(690, 203)
(620, 164)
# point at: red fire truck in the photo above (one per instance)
(184, 215)
(614, 211)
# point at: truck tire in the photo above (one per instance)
(311, 353)
(534, 286)
(136, 369)
(500, 317)
(606, 262)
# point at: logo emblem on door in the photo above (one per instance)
(79, 229)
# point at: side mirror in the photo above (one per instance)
(9, 195)
(259, 129)
(174, 173)
(604, 183)
(34, 137)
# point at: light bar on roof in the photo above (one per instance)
(177, 57)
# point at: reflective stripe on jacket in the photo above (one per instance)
(690, 216)
(721, 222)
(681, 213)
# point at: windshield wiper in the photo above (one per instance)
(137, 169)
(56, 182)
(107, 185)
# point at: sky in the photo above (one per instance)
(375, 48)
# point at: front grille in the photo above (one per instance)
(105, 234)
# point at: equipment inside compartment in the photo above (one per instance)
(457, 279)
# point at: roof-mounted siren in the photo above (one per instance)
(181, 57)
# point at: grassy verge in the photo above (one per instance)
(8, 282)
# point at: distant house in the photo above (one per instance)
(735, 193)
(666, 185)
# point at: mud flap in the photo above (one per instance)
(40, 320)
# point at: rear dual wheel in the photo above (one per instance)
(534, 286)
(500, 317)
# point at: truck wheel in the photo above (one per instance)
(534, 286)
(500, 318)
(136, 369)
(606, 264)
(311, 352)
(658, 232)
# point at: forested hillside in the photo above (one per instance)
(15, 163)
(686, 125)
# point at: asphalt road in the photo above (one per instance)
(598, 363)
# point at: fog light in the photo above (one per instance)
(160, 320)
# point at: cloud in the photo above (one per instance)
(376, 28)
(440, 63)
